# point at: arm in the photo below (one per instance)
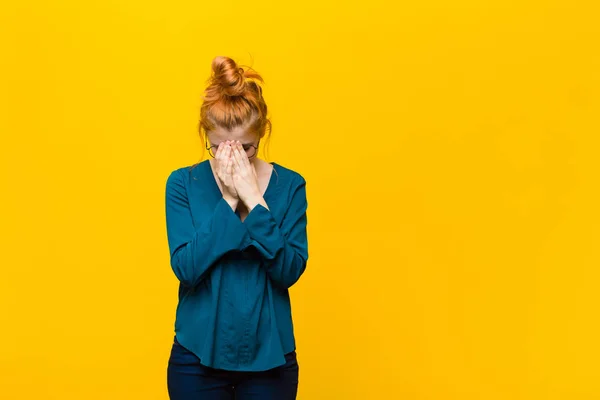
(284, 249)
(194, 250)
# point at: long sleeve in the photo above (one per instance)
(194, 250)
(284, 249)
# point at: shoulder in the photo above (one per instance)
(291, 184)
(180, 176)
(294, 177)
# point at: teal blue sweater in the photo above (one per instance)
(234, 309)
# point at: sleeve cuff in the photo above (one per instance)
(231, 227)
(263, 231)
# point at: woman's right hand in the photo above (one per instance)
(224, 160)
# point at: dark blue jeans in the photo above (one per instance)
(187, 379)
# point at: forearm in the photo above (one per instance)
(254, 201)
(194, 250)
(285, 252)
(287, 266)
(232, 201)
(220, 233)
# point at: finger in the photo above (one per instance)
(244, 157)
(246, 160)
(229, 167)
(219, 150)
(237, 157)
(219, 153)
(224, 157)
(217, 163)
(235, 171)
(219, 158)
(226, 153)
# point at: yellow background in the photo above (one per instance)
(450, 150)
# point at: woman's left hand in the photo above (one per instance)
(245, 178)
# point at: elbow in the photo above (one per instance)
(182, 270)
(287, 277)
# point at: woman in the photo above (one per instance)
(236, 228)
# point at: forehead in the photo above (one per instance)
(240, 133)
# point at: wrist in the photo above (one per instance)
(232, 201)
(254, 201)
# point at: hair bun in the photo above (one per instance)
(228, 76)
(233, 97)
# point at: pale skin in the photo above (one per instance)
(242, 180)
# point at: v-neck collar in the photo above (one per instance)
(215, 185)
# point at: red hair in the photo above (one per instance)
(233, 98)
